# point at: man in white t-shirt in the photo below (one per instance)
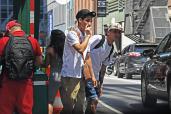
(101, 51)
(75, 55)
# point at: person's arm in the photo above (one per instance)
(47, 58)
(74, 40)
(38, 61)
(38, 55)
(101, 78)
(102, 74)
(80, 47)
(89, 63)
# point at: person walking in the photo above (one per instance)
(53, 58)
(75, 56)
(20, 53)
(101, 51)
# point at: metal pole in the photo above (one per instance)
(102, 26)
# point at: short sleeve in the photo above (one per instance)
(3, 42)
(72, 38)
(36, 46)
(38, 50)
(94, 40)
(88, 48)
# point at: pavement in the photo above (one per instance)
(123, 96)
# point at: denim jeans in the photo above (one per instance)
(92, 93)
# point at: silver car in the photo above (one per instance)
(131, 59)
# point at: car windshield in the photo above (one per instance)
(141, 48)
(140, 59)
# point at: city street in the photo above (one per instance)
(123, 96)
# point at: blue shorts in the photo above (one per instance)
(92, 93)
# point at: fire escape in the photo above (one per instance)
(136, 14)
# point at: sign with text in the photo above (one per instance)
(101, 8)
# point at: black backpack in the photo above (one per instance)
(101, 44)
(19, 58)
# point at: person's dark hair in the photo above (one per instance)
(57, 40)
(1, 35)
(83, 13)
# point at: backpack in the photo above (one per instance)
(101, 44)
(19, 58)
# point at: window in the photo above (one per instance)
(162, 45)
(10, 2)
(10, 10)
(3, 14)
(167, 48)
(3, 2)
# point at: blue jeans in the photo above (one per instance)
(92, 93)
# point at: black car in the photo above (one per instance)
(131, 60)
(156, 74)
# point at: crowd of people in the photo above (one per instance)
(77, 62)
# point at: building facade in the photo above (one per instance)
(147, 19)
(63, 16)
(6, 12)
(169, 8)
(115, 13)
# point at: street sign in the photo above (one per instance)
(101, 8)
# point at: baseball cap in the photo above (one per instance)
(106, 26)
(85, 13)
(115, 26)
(11, 24)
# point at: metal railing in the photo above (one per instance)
(142, 20)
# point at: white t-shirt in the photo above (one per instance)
(99, 55)
(72, 60)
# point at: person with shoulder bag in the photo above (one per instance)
(101, 51)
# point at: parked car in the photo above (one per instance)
(131, 60)
(156, 74)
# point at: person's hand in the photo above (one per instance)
(88, 31)
(94, 81)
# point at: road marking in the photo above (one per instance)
(111, 108)
(126, 80)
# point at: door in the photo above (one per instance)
(158, 67)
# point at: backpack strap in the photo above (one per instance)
(100, 43)
(111, 51)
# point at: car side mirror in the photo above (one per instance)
(156, 56)
(148, 53)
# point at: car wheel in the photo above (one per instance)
(119, 75)
(128, 76)
(170, 97)
(147, 100)
(109, 70)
